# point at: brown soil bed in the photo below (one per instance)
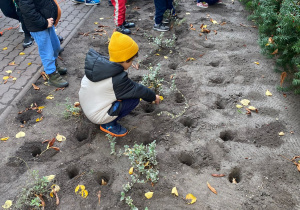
(197, 128)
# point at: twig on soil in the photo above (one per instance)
(99, 196)
(79, 175)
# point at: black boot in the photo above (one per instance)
(123, 30)
(56, 80)
(60, 38)
(128, 25)
(61, 70)
(28, 41)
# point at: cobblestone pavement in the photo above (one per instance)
(28, 63)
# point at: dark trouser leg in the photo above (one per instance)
(160, 8)
(26, 32)
(127, 106)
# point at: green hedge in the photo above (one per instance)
(278, 23)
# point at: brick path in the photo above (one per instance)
(27, 66)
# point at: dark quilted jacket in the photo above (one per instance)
(36, 13)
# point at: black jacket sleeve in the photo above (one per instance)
(125, 88)
(32, 18)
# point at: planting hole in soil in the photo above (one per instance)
(102, 178)
(214, 63)
(187, 122)
(227, 135)
(148, 108)
(179, 98)
(173, 66)
(186, 159)
(36, 151)
(235, 175)
(83, 135)
(72, 172)
(216, 79)
(221, 103)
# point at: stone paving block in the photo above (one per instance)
(20, 82)
(4, 63)
(9, 96)
(30, 49)
(13, 55)
(23, 65)
(6, 68)
(19, 59)
(31, 70)
(13, 36)
(8, 50)
(4, 88)
(65, 33)
(70, 27)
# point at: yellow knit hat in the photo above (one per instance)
(121, 47)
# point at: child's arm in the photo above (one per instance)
(125, 88)
(31, 16)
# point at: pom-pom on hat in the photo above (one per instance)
(121, 47)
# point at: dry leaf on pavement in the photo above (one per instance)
(191, 197)
(174, 191)
(211, 188)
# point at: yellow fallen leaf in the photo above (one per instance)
(29, 64)
(41, 107)
(191, 197)
(187, 13)
(96, 23)
(39, 119)
(131, 171)
(211, 188)
(103, 182)
(281, 134)
(60, 137)
(4, 138)
(14, 79)
(50, 177)
(204, 26)
(268, 93)
(149, 195)
(9, 71)
(50, 97)
(252, 108)
(101, 18)
(174, 191)
(157, 54)
(4, 48)
(22, 53)
(166, 57)
(84, 193)
(7, 204)
(5, 77)
(161, 98)
(257, 63)
(81, 187)
(245, 102)
(55, 188)
(20, 134)
(239, 106)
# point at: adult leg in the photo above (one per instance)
(160, 8)
(48, 45)
(28, 41)
(119, 15)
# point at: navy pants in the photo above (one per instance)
(127, 106)
(160, 7)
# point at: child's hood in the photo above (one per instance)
(98, 67)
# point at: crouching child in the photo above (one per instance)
(106, 93)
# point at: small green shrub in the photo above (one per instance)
(38, 186)
(71, 110)
(152, 80)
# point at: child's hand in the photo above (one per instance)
(50, 22)
(157, 100)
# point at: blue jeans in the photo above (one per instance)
(127, 106)
(49, 47)
(160, 8)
